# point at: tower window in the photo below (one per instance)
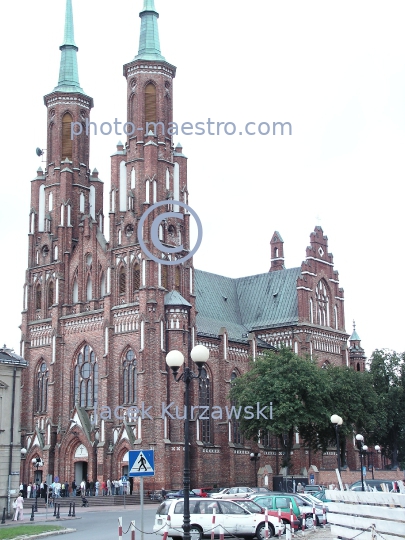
(50, 295)
(66, 137)
(137, 277)
(177, 278)
(205, 401)
(165, 284)
(85, 381)
(42, 388)
(123, 281)
(150, 103)
(129, 378)
(38, 297)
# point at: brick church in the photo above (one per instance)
(100, 315)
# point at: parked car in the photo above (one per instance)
(301, 508)
(312, 487)
(202, 492)
(373, 484)
(180, 494)
(252, 506)
(321, 496)
(231, 493)
(311, 499)
(235, 519)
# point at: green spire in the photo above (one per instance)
(68, 72)
(149, 45)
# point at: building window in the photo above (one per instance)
(236, 433)
(50, 295)
(42, 388)
(86, 378)
(75, 291)
(165, 283)
(177, 278)
(150, 103)
(205, 401)
(123, 281)
(129, 378)
(66, 137)
(137, 277)
(38, 297)
(323, 304)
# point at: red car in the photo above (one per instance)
(202, 492)
(256, 508)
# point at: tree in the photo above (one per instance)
(304, 397)
(387, 370)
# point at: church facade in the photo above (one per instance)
(100, 316)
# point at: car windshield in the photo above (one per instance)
(310, 498)
(300, 501)
(249, 505)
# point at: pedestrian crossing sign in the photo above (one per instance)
(141, 463)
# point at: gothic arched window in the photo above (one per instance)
(150, 103)
(38, 297)
(75, 296)
(50, 295)
(177, 278)
(129, 377)
(236, 433)
(85, 381)
(323, 303)
(165, 280)
(205, 402)
(66, 137)
(122, 281)
(137, 277)
(42, 388)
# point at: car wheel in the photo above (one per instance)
(196, 533)
(261, 533)
(309, 521)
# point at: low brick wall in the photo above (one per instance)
(349, 477)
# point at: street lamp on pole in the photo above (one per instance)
(255, 456)
(363, 448)
(175, 359)
(337, 421)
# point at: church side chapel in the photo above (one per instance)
(99, 316)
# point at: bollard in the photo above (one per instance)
(213, 524)
(74, 510)
(167, 527)
(36, 505)
(288, 531)
(133, 530)
(70, 510)
(314, 516)
(291, 519)
(279, 523)
(58, 512)
(32, 513)
(120, 528)
(303, 524)
(54, 509)
(324, 514)
(221, 533)
(3, 520)
(266, 523)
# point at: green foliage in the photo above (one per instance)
(23, 530)
(304, 397)
(387, 371)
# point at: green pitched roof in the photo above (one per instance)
(174, 298)
(246, 304)
(149, 44)
(68, 72)
(354, 336)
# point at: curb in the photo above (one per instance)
(45, 534)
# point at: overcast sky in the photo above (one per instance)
(334, 70)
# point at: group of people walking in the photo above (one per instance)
(104, 488)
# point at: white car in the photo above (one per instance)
(231, 493)
(234, 519)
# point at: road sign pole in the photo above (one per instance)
(141, 489)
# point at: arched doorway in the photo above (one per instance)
(81, 463)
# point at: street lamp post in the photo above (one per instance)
(175, 360)
(37, 462)
(363, 452)
(337, 421)
(255, 456)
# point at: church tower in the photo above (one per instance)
(357, 356)
(100, 316)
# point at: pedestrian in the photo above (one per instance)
(74, 487)
(97, 487)
(66, 489)
(109, 487)
(91, 488)
(300, 488)
(28, 491)
(163, 493)
(104, 488)
(83, 488)
(19, 508)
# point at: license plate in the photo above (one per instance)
(159, 522)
